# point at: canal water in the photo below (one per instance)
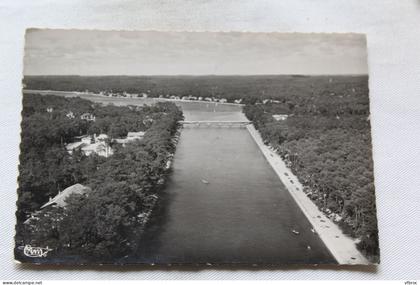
(224, 204)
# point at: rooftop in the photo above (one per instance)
(135, 134)
(74, 145)
(60, 198)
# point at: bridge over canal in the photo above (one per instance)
(215, 124)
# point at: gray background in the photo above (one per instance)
(393, 33)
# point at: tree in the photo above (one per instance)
(106, 220)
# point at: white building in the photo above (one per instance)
(131, 136)
(88, 117)
(100, 138)
(100, 148)
(70, 115)
(280, 117)
(74, 146)
(135, 134)
(87, 139)
(60, 199)
(99, 145)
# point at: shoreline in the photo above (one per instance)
(76, 93)
(164, 177)
(341, 246)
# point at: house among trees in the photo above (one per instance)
(74, 146)
(280, 117)
(147, 120)
(70, 115)
(100, 148)
(99, 145)
(79, 143)
(238, 101)
(266, 101)
(100, 138)
(223, 100)
(136, 135)
(60, 199)
(131, 136)
(88, 117)
(49, 110)
(87, 139)
(189, 97)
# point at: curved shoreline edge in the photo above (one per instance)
(341, 246)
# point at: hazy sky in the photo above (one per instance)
(78, 52)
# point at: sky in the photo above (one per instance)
(92, 52)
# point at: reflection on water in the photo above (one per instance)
(243, 214)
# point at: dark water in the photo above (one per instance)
(244, 214)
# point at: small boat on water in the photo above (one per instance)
(295, 232)
(205, 181)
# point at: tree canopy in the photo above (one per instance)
(105, 222)
(326, 142)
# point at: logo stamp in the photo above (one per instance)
(30, 251)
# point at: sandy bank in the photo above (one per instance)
(342, 247)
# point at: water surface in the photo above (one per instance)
(243, 215)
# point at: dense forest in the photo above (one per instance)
(123, 187)
(327, 143)
(249, 88)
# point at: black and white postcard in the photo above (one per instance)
(147, 147)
